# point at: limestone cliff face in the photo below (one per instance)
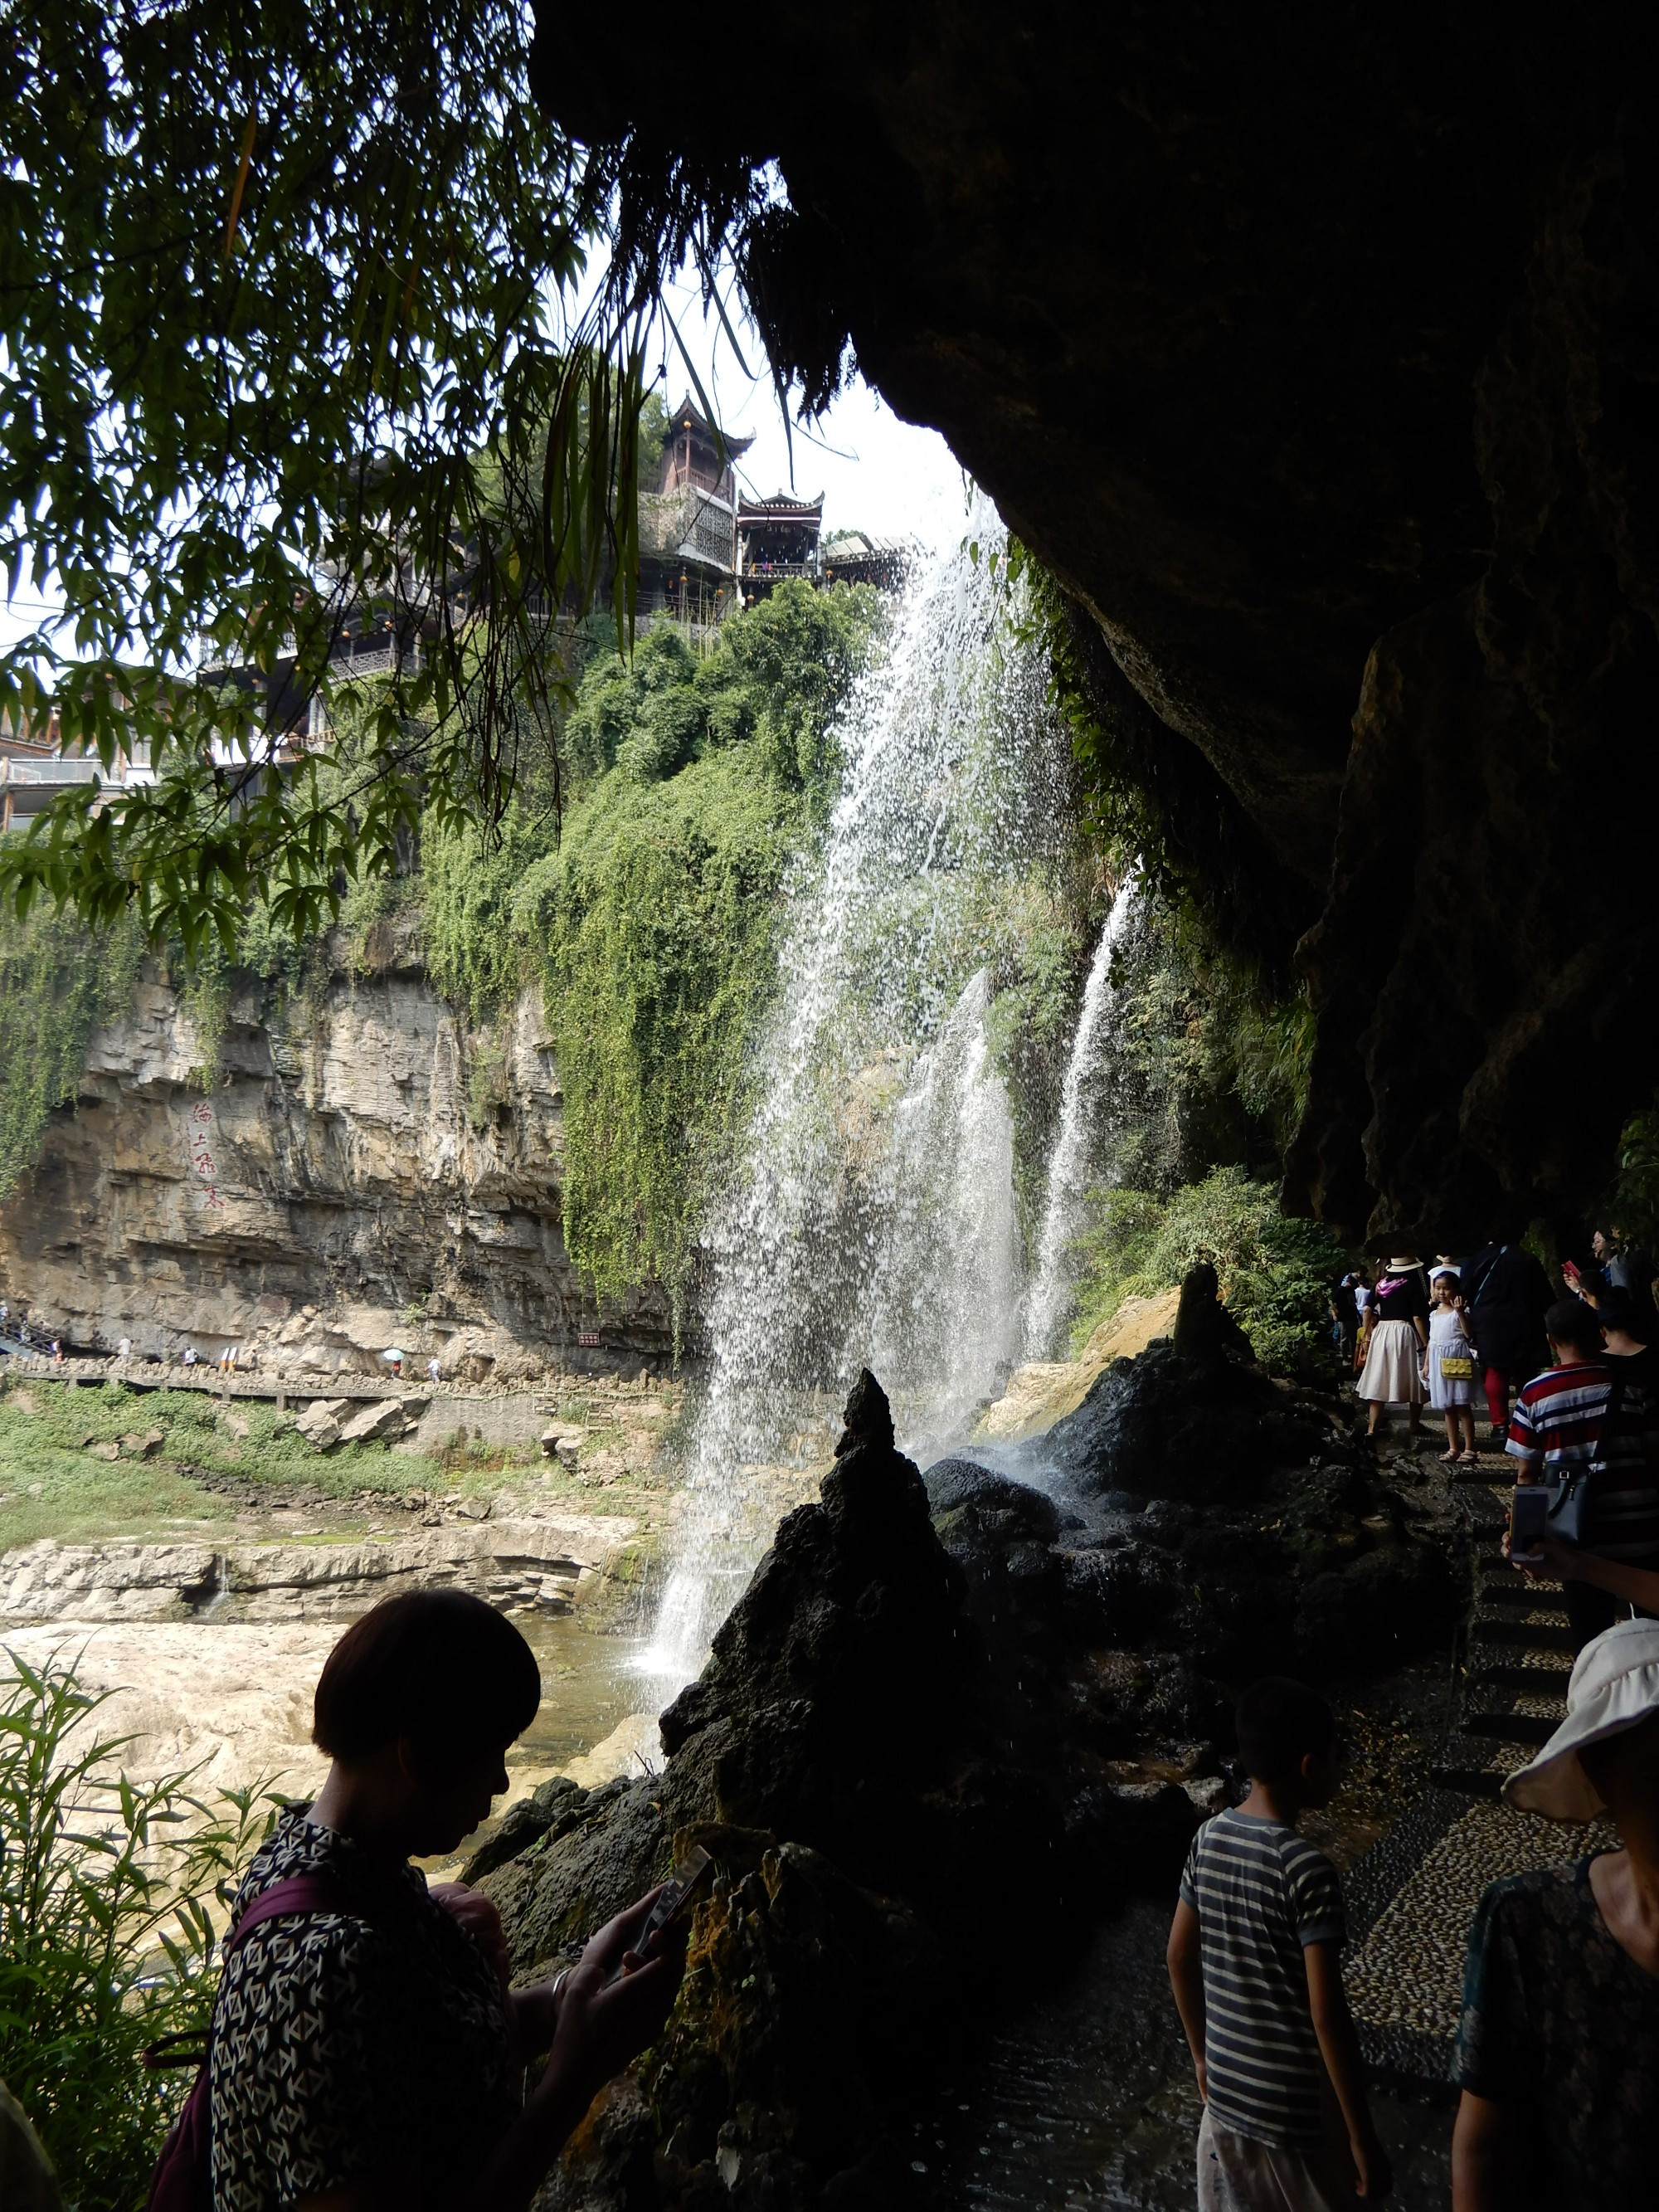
(1313, 349)
(329, 1188)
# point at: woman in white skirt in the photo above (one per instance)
(1449, 1367)
(1392, 1373)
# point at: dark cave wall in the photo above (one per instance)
(1314, 351)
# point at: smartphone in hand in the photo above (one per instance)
(1529, 1517)
(691, 1880)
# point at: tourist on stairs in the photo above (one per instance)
(1506, 1294)
(1449, 1369)
(1558, 2050)
(1392, 1375)
(1583, 1419)
(1254, 1961)
(366, 2052)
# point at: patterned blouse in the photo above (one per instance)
(346, 2046)
(1559, 2021)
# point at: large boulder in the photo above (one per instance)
(1162, 1425)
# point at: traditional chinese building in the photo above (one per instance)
(777, 538)
(689, 525)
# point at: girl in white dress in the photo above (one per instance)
(1456, 1393)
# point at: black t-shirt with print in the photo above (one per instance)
(1402, 1298)
(345, 2045)
(1561, 2023)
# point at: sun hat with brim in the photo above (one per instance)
(1614, 1687)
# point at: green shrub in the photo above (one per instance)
(1275, 1273)
(112, 1894)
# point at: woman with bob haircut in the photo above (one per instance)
(368, 2053)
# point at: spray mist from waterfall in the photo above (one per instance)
(872, 1219)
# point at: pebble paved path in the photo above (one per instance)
(1413, 1898)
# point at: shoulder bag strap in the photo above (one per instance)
(292, 1899)
(296, 1896)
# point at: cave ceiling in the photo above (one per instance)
(1315, 351)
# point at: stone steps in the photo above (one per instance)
(1551, 1635)
(1513, 1727)
(1537, 1682)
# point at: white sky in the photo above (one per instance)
(876, 472)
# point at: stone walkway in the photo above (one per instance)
(1413, 1898)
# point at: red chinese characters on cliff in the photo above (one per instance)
(198, 1135)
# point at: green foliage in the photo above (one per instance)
(657, 917)
(1633, 1201)
(1210, 1067)
(112, 1893)
(650, 918)
(1275, 1273)
(276, 285)
(59, 981)
(54, 1483)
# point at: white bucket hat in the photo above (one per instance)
(1614, 1687)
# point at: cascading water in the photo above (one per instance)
(872, 1220)
(1048, 1300)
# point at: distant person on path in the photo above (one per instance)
(1392, 1375)
(190, 1355)
(1507, 1294)
(434, 1372)
(1568, 1420)
(1345, 1322)
(1254, 1959)
(1624, 1264)
(1558, 2050)
(1449, 1369)
(123, 1349)
(367, 2052)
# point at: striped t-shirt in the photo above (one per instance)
(1260, 1894)
(1559, 1424)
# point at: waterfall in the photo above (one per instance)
(1047, 1303)
(872, 1218)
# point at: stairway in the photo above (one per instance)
(1517, 1658)
(1412, 1897)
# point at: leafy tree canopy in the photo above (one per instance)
(279, 283)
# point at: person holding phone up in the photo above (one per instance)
(367, 2052)
(1586, 1429)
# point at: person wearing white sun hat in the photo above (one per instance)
(1558, 2048)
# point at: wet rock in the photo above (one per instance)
(596, 1854)
(1162, 1425)
(960, 1486)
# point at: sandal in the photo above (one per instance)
(1469, 1459)
(1450, 1458)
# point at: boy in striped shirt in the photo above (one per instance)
(1254, 1960)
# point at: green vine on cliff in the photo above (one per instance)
(59, 981)
(649, 923)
